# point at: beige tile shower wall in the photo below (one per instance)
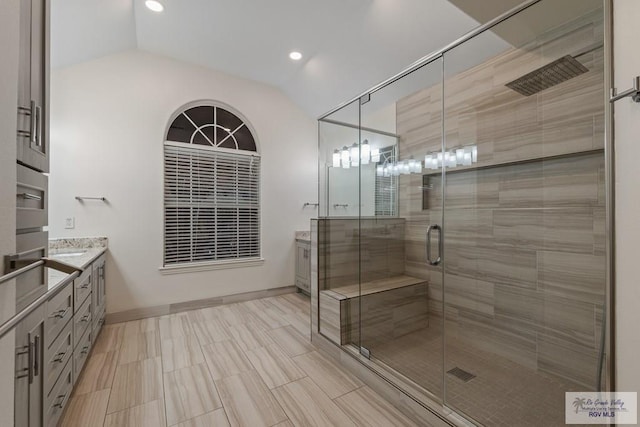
(524, 252)
(353, 251)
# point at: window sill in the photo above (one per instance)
(210, 265)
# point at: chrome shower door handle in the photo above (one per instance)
(429, 230)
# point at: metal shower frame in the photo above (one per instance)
(608, 370)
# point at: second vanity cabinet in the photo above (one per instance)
(303, 265)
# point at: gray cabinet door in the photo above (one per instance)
(28, 370)
(98, 293)
(303, 265)
(33, 85)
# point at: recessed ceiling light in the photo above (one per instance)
(154, 5)
(296, 56)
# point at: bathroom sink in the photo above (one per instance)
(69, 254)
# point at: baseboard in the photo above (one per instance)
(161, 310)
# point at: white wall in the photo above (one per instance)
(108, 119)
(627, 143)
(8, 102)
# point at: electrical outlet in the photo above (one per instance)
(70, 222)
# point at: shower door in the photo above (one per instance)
(524, 215)
(400, 301)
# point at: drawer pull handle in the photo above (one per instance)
(85, 318)
(84, 286)
(59, 357)
(84, 350)
(30, 196)
(62, 398)
(34, 125)
(26, 373)
(60, 314)
(38, 139)
(36, 356)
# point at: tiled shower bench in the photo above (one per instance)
(390, 307)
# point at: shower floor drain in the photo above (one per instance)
(461, 374)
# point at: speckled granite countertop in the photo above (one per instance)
(78, 252)
(304, 236)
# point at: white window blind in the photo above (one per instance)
(212, 204)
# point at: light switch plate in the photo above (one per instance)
(70, 223)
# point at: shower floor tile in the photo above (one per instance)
(501, 393)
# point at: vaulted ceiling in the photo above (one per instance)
(348, 45)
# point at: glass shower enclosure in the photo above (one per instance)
(462, 251)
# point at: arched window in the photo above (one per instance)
(211, 187)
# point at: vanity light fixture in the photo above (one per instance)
(154, 5)
(296, 56)
(460, 156)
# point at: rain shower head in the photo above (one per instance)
(548, 75)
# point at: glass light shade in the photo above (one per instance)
(439, 160)
(459, 156)
(365, 152)
(379, 170)
(412, 165)
(375, 155)
(345, 158)
(355, 154)
(386, 171)
(474, 154)
(429, 161)
(452, 160)
(405, 170)
(396, 170)
(336, 159)
(466, 159)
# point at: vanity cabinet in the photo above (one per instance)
(52, 346)
(303, 266)
(33, 85)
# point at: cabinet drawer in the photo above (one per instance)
(82, 288)
(80, 354)
(30, 247)
(31, 198)
(59, 312)
(58, 397)
(82, 321)
(57, 356)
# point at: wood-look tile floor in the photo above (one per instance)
(245, 364)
